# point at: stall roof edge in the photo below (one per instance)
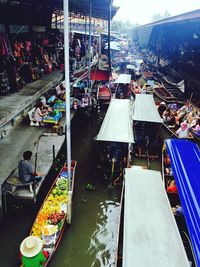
(192, 15)
(100, 8)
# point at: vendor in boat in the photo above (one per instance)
(25, 169)
(183, 131)
(31, 252)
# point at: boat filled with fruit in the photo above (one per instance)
(52, 217)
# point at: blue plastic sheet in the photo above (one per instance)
(185, 162)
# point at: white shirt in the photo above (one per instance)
(182, 133)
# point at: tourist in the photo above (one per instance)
(166, 115)
(162, 107)
(31, 251)
(183, 131)
(25, 169)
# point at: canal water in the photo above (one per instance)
(91, 239)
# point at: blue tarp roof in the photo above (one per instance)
(185, 162)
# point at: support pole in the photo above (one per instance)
(109, 19)
(67, 84)
(54, 153)
(89, 46)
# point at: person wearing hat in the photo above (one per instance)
(31, 252)
(183, 131)
(162, 107)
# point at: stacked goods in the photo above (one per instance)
(52, 212)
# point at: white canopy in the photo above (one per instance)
(151, 237)
(117, 124)
(113, 46)
(123, 78)
(145, 109)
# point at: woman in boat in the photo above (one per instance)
(183, 131)
(31, 252)
(171, 188)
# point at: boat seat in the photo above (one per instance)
(13, 183)
(33, 122)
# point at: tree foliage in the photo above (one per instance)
(158, 16)
(121, 27)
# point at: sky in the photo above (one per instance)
(141, 11)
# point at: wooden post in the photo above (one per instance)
(54, 154)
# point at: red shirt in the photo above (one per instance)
(172, 189)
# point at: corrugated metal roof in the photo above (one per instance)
(179, 18)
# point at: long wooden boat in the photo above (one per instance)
(163, 94)
(185, 174)
(118, 252)
(159, 232)
(55, 211)
(195, 135)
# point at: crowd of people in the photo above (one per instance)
(182, 119)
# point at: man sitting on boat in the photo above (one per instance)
(178, 210)
(25, 169)
(31, 251)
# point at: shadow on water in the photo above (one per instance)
(91, 239)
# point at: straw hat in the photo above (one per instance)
(184, 125)
(31, 246)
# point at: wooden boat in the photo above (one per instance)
(147, 125)
(163, 94)
(55, 211)
(147, 75)
(119, 248)
(113, 139)
(186, 175)
(144, 232)
(195, 135)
